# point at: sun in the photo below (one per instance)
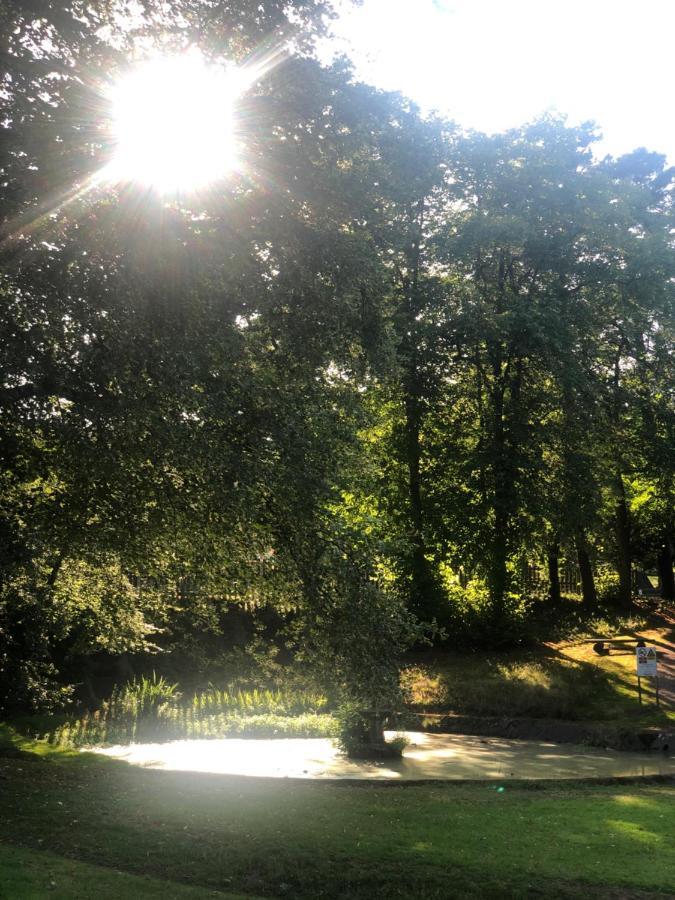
(173, 124)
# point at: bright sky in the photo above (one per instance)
(493, 64)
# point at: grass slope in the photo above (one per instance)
(313, 840)
(558, 679)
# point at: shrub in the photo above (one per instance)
(474, 620)
(51, 616)
(281, 702)
(607, 587)
(360, 733)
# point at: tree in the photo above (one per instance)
(177, 371)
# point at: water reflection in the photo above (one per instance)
(442, 756)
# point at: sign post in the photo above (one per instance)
(646, 666)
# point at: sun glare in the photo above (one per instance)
(173, 124)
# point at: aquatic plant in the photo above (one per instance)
(152, 709)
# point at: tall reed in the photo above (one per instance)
(153, 709)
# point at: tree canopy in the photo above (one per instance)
(373, 378)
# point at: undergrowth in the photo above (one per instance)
(152, 709)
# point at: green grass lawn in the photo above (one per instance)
(27, 874)
(166, 832)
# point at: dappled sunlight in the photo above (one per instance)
(559, 680)
(427, 756)
(633, 800)
(618, 666)
(423, 847)
(634, 831)
(550, 684)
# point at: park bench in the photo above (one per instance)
(602, 646)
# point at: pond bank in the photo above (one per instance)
(593, 734)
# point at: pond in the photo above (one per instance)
(427, 756)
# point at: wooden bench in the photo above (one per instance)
(602, 646)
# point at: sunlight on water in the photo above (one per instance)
(441, 756)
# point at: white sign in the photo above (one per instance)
(645, 659)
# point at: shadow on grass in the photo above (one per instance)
(544, 684)
(26, 874)
(14, 745)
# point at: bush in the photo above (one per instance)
(360, 733)
(51, 617)
(144, 697)
(31, 684)
(278, 702)
(29, 679)
(607, 587)
(474, 621)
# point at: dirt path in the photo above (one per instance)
(661, 635)
(666, 669)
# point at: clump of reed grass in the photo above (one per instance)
(279, 702)
(152, 709)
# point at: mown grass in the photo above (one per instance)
(280, 838)
(31, 874)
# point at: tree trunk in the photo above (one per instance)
(499, 580)
(413, 456)
(499, 576)
(588, 592)
(424, 592)
(54, 574)
(622, 535)
(666, 578)
(552, 558)
(423, 596)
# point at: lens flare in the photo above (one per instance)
(173, 124)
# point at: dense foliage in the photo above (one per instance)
(378, 376)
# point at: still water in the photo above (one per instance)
(438, 756)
